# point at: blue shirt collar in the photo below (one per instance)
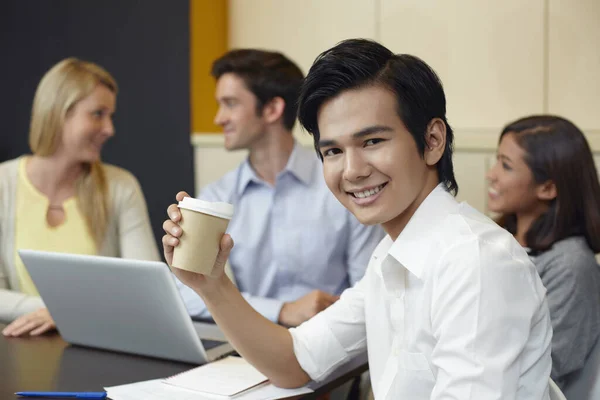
(300, 165)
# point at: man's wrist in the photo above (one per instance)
(212, 287)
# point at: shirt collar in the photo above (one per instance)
(246, 175)
(300, 165)
(415, 248)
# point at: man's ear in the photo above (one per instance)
(273, 110)
(546, 191)
(435, 141)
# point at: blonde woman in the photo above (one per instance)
(63, 198)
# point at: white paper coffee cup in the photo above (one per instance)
(203, 224)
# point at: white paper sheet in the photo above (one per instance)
(268, 391)
(226, 377)
(157, 390)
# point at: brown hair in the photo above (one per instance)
(267, 74)
(556, 150)
(60, 89)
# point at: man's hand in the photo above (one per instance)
(171, 239)
(172, 229)
(32, 324)
(306, 307)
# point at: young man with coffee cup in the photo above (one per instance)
(450, 307)
(289, 263)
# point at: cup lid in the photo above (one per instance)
(218, 209)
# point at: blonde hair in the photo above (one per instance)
(60, 89)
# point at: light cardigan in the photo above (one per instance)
(128, 234)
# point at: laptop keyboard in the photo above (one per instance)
(210, 344)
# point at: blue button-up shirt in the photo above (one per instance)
(290, 238)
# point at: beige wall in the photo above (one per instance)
(498, 61)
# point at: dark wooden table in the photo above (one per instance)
(48, 363)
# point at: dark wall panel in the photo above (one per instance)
(145, 45)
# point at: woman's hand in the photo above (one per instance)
(32, 324)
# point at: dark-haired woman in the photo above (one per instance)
(545, 186)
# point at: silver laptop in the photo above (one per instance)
(124, 305)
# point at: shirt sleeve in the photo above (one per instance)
(269, 308)
(362, 240)
(136, 239)
(333, 336)
(14, 304)
(488, 309)
(216, 191)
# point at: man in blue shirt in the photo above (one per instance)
(297, 248)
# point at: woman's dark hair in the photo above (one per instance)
(267, 74)
(556, 150)
(357, 63)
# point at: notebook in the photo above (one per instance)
(156, 389)
(229, 376)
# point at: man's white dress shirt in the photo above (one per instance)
(453, 309)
